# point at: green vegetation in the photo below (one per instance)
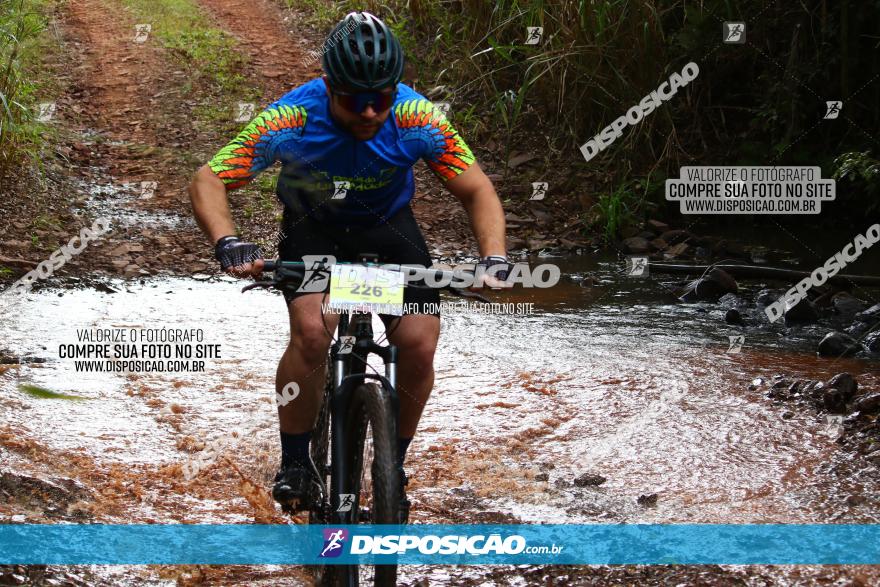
(859, 173)
(21, 24)
(757, 103)
(614, 210)
(46, 222)
(624, 206)
(322, 13)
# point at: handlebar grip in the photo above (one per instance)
(269, 265)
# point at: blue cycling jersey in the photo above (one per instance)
(335, 177)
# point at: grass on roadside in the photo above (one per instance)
(624, 207)
(24, 45)
(322, 14)
(209, 53)
(596, 59)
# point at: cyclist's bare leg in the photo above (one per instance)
(304, 362)
(416, 336)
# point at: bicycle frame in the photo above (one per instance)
(349, 371)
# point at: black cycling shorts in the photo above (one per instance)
(398, 241)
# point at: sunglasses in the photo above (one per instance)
(357, 102)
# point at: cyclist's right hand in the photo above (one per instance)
(493, 278)
(239, 258)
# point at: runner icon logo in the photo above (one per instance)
(317, 273)
(834, 425)
(148, 189)
(534, 35)
(46, 111)
(333, 542)
(637, 266)
(539, 190)
(245, 112)
(346, 344)
(342, 188)
(833, 109)
(735, 32)
(736, 344)
(346, 500)
(142, 32)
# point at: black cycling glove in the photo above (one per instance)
(231, 252)
(500, 274)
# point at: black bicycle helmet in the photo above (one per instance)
(362, 54)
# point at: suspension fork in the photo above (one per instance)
(349, 373)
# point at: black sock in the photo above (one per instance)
(295, 448)
(402, 445)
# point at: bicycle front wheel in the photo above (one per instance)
(372, 406)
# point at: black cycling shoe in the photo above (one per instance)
(404, 502)
(295, 486)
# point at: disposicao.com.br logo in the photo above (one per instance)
(450, 544)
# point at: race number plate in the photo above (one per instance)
(366, 289)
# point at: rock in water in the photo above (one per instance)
(589, 479)
(871, 315)
(659, 244)
(734, 317)
(847, 305)
(724, 280)
(857, 329)
(58, 491)
(675, 236)
(838, 344)
(732, 301)
(711, 287)
(872, 342)
(766, 297)
(804, 312)
(868, 404)
(676, 251)
(838, 391)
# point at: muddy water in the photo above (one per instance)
(614, 379)
(124, 203)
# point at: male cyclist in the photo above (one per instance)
(357, 128)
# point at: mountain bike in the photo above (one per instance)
(354, 402)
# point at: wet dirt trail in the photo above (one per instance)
(127, 156)
(277, 51)
(607, 385)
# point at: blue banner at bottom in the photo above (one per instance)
(476, 544)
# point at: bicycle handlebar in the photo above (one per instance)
(287, 271)
(272, 266)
